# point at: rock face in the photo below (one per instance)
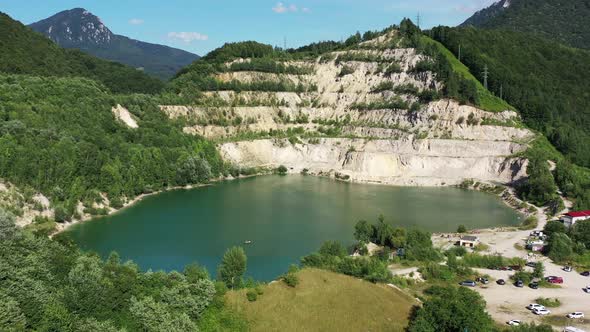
(349, 128)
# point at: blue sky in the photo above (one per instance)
(200, 26)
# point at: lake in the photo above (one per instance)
(285, 217)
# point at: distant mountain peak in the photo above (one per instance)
(79, 28)
(487, 13)
(75, 27)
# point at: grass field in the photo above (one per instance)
(325, 301)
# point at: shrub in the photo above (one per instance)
(291, 279)
(346, 70)
(258, 290)
(461, 229)
(251, 295)
(549, 303)
(529, 223)
(282, 170)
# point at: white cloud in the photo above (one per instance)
(282, 8)
(136, 21)
(187, 37)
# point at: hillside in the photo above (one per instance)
(391, 107)
(562, 21)
(23, 51)
(324, 301)
(79, 29)
(545, 80)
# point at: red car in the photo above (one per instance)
(555, 280)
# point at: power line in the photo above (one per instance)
(485, 77)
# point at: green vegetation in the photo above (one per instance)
(566, 245)
(549, 303)
(324, 301)
(449, 309)
(544, 80)
(562, 21)
(51, 286)
(60, 137)
(267, 65)
(23, 51)
(232, 268)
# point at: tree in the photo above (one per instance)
(461, 229)
(553, 227)
(332, 248)
(153, 316)
(232, 268)
(560, 247)
(539, 270)
(7, 227)
(363, 231)
(384, 231)
(580, 232)
(11, 317)
(452, 309)
(194, 169)
(419, 246)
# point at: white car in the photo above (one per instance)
(576, 314)
(586, 289)
(541, 312)
(534, 306)
(514, 322)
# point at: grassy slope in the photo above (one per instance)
(325, 301)
(487, 100)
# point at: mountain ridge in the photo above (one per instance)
(562, 21)
(80, 29)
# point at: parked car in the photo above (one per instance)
(534, 285)
(554, 280)
(501, 282)
(586, 273)
(576, 314)
(533, 306)
(519, 283)
(483, 280)
(531, 264)
(586, 289)
(514, 322)
(541, 312)
(468, 283)
(572, 329)
(506, 268)
(567, 268)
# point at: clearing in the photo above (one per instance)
(325, 301)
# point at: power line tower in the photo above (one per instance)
(459, 52)
(285, 43)
(418, 20)
(501, 91)
(485, 77)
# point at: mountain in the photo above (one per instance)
(23, 51)
(80, 29)
(565, 21)
(545, 80)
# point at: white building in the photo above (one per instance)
(570, 218)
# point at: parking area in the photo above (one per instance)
(508, 302)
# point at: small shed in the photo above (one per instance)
(570, 219)
(468, 241)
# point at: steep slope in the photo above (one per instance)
(23, 51)
(375, 111)
(546, 81)
(562, 21)
(77, 28)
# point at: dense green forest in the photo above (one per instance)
(562, 21)
(545, 81)
(23, 51)
(49, 285)
(60, 137)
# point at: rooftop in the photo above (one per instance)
(585, 213)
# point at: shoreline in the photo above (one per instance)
(63, 227)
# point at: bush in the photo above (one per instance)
(258, 290)
(549, 303)
(346, 70)
(282, 170)
(291, 279)
(529, 223)
(251, 295)
(461, 229)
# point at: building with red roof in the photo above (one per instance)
(570, 218)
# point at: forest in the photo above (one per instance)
(23, 51)
(60, 137)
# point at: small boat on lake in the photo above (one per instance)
(247, 242)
